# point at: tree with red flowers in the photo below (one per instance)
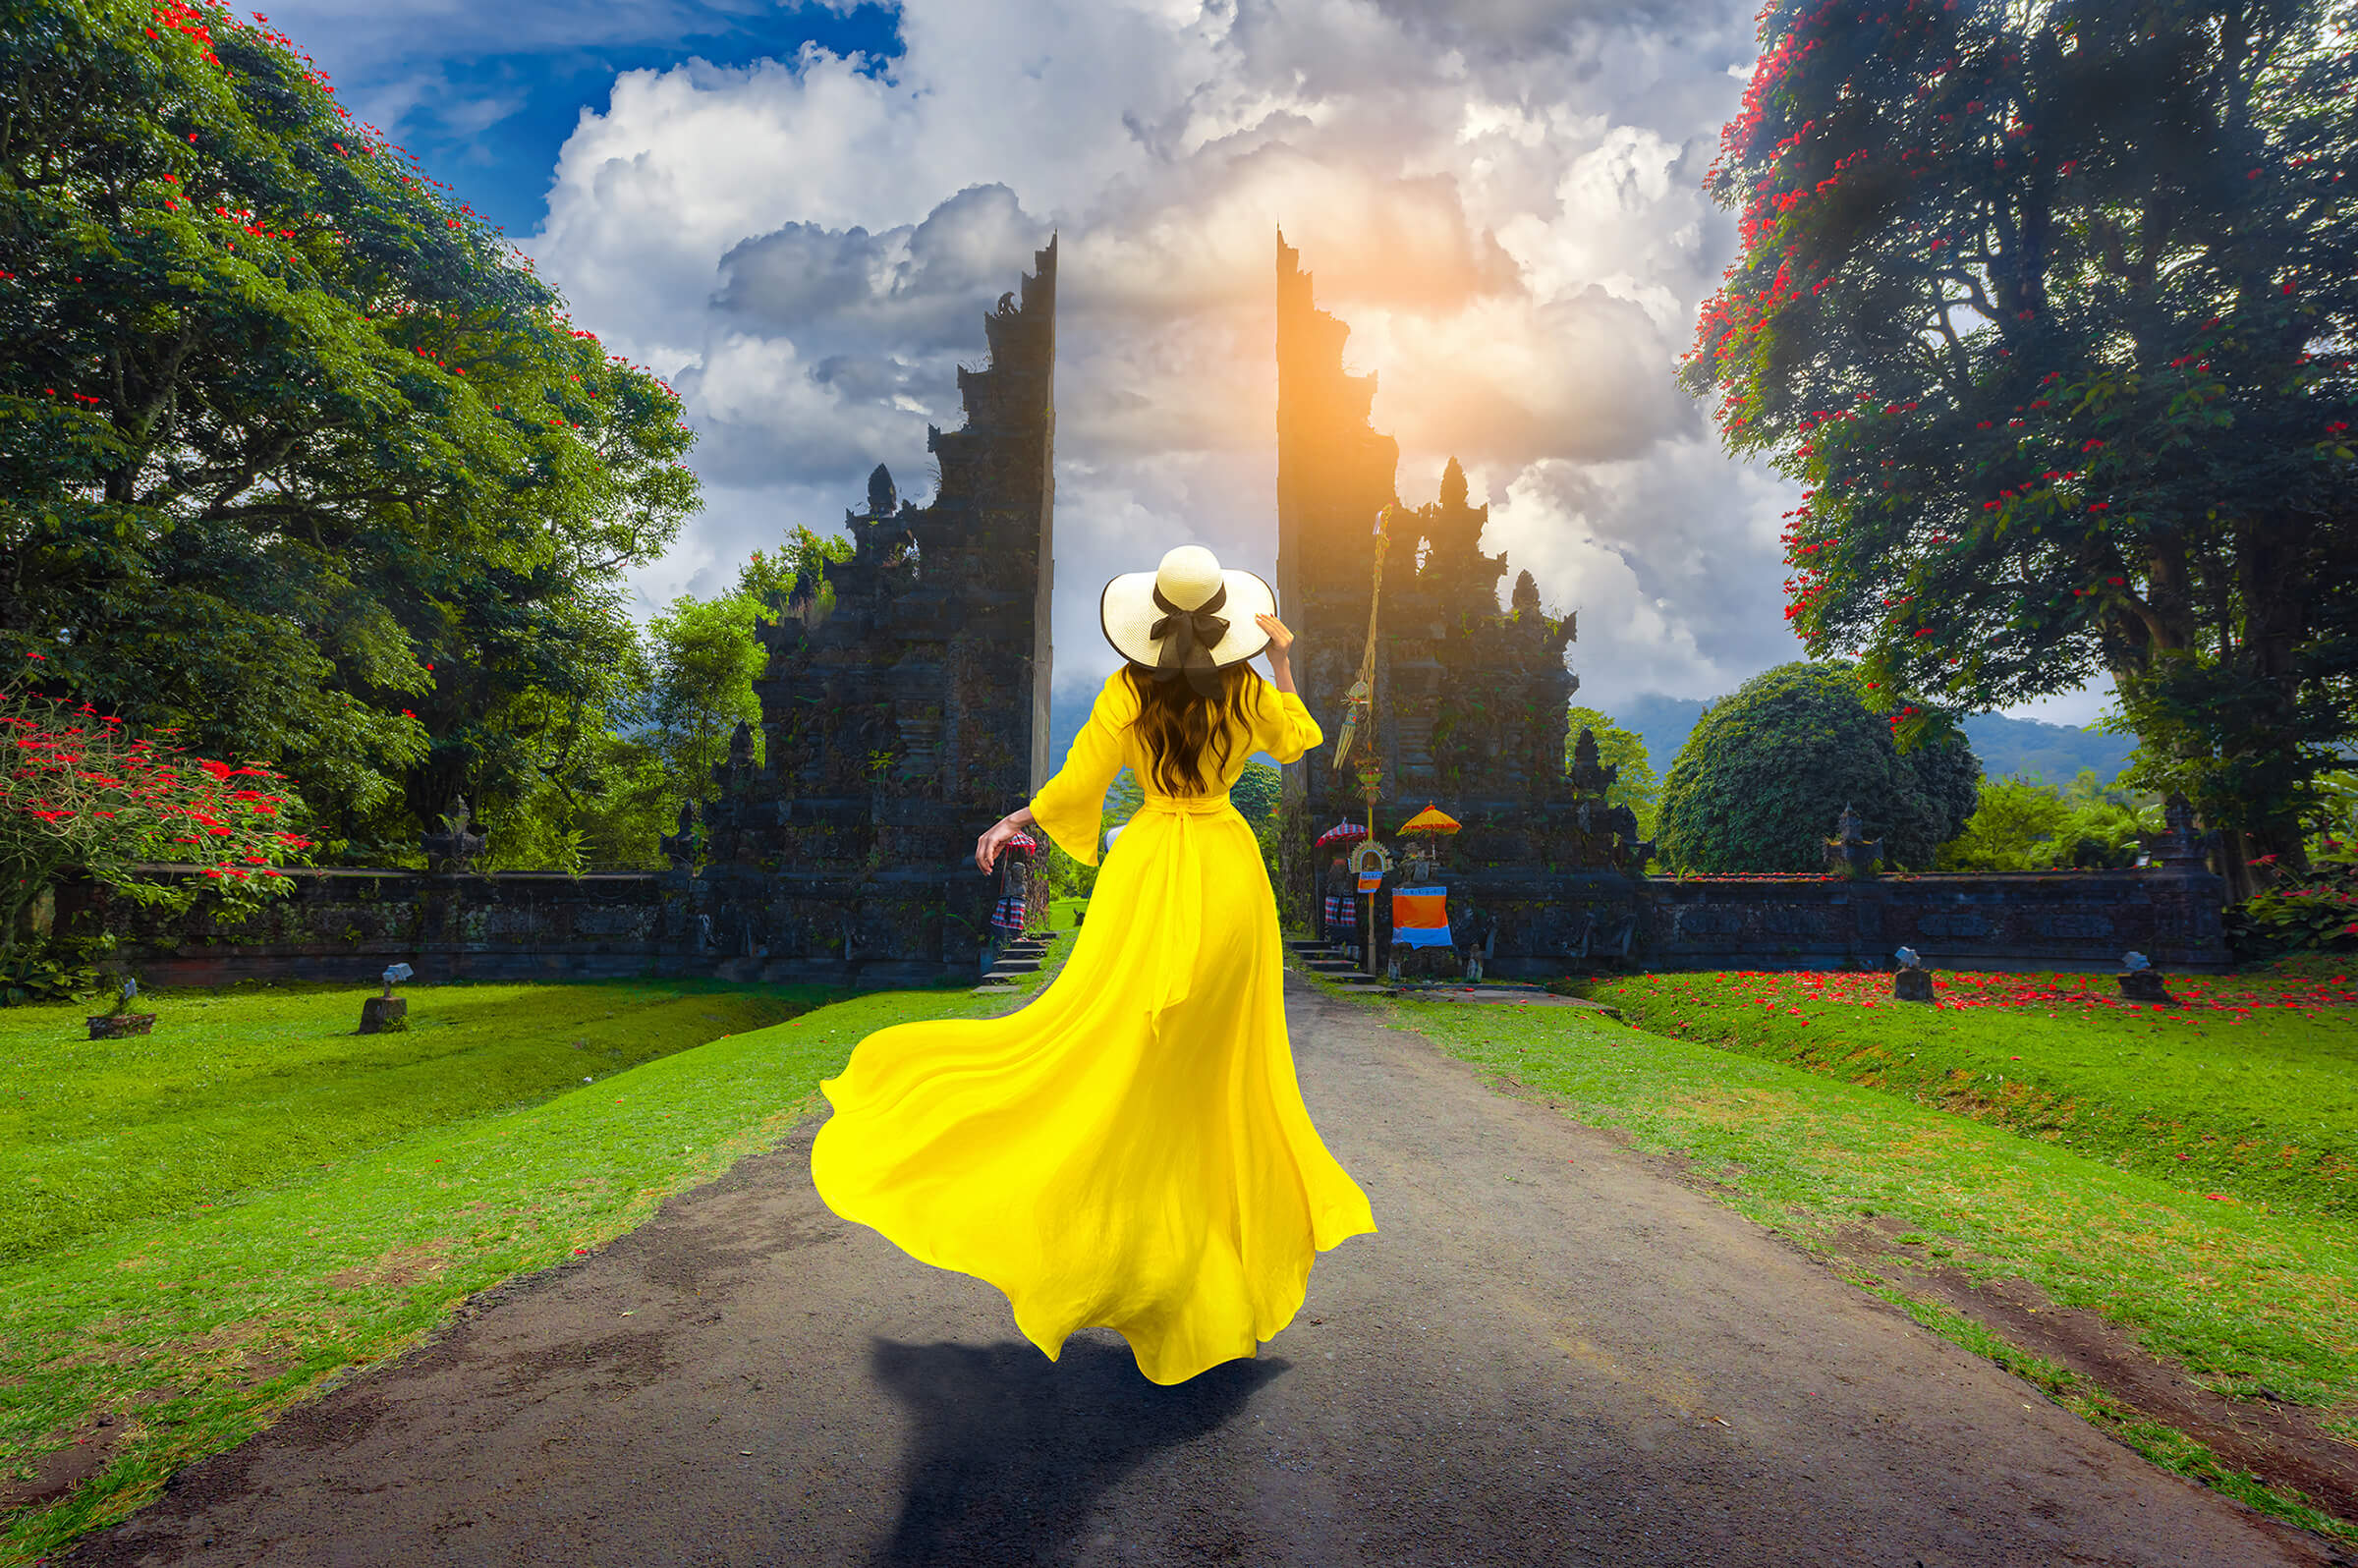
(2050, 310)
(80, 792)
(297, 454)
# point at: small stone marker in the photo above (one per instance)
(387, 1014)
(1913, 983)
(2140, 981)
(122, 1021)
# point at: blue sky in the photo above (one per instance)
(797, 214)
(489, 120)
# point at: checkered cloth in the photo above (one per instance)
(1342, 910)
(1008, 914)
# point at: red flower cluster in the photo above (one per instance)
(90, 794)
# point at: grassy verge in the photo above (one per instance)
(2253, 1302)
(192, 1329)
(2248, 1089)
(258, 1084)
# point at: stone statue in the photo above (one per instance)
(2181, 844)
(1850, 853)
(680, 847)
(454, 851)
(883, 500)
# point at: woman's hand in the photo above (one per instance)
(994, 838)
(1281, 669)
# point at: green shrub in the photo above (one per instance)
(2319, 909)
(2026, 825)
(1759, 784)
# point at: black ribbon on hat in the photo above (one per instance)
(1187, 638)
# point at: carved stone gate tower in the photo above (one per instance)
(908, 716)
(1469, 700)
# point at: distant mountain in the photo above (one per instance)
(2053, 753)
(2021, 748)
(1663, 723)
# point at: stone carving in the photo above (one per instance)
(1850, 853)
(2180, 844)
(455, 850)
(680, 848)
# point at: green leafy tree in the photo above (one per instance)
(1637, 787)
(295, 454)
(2050, 308)
(1067, 878)
(1123, 797)
(1255, 791)
(705, 659)
(2028, 825)
(1761, 781)
(797, 567)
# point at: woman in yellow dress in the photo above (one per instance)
(1131, 1150)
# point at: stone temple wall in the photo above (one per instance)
(910, 716)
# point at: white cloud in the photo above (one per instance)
(1502, 200)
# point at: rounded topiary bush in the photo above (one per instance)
(1760, 782)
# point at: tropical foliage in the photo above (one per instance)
(2026, 825)
(297, 455)
(79, 791)
(1759, 783)
(2050, 309)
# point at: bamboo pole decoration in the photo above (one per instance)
(1360, 713)
(1359, 708)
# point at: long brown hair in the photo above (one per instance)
(1177, 726)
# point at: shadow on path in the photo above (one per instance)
(1009, 1450)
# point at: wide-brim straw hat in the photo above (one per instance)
(1187, 617)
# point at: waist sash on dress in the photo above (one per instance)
(1177, 886)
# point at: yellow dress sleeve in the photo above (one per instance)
(1282, 726)
(1070, 807)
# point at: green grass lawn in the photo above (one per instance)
(239, 1088)
(2249, 1090)
(194, 1324)
(1061, 912)
(2254, 1290)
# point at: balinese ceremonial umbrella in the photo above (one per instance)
(1025, 842)
(1343, 832)
(1432, 819)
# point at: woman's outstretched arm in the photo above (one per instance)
(1069, 807)
(995, 837)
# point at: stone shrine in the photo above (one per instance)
(907, 717)
(1469, 703)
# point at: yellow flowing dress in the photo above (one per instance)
(1131, 1150)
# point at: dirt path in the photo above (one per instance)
(1552, 1354)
